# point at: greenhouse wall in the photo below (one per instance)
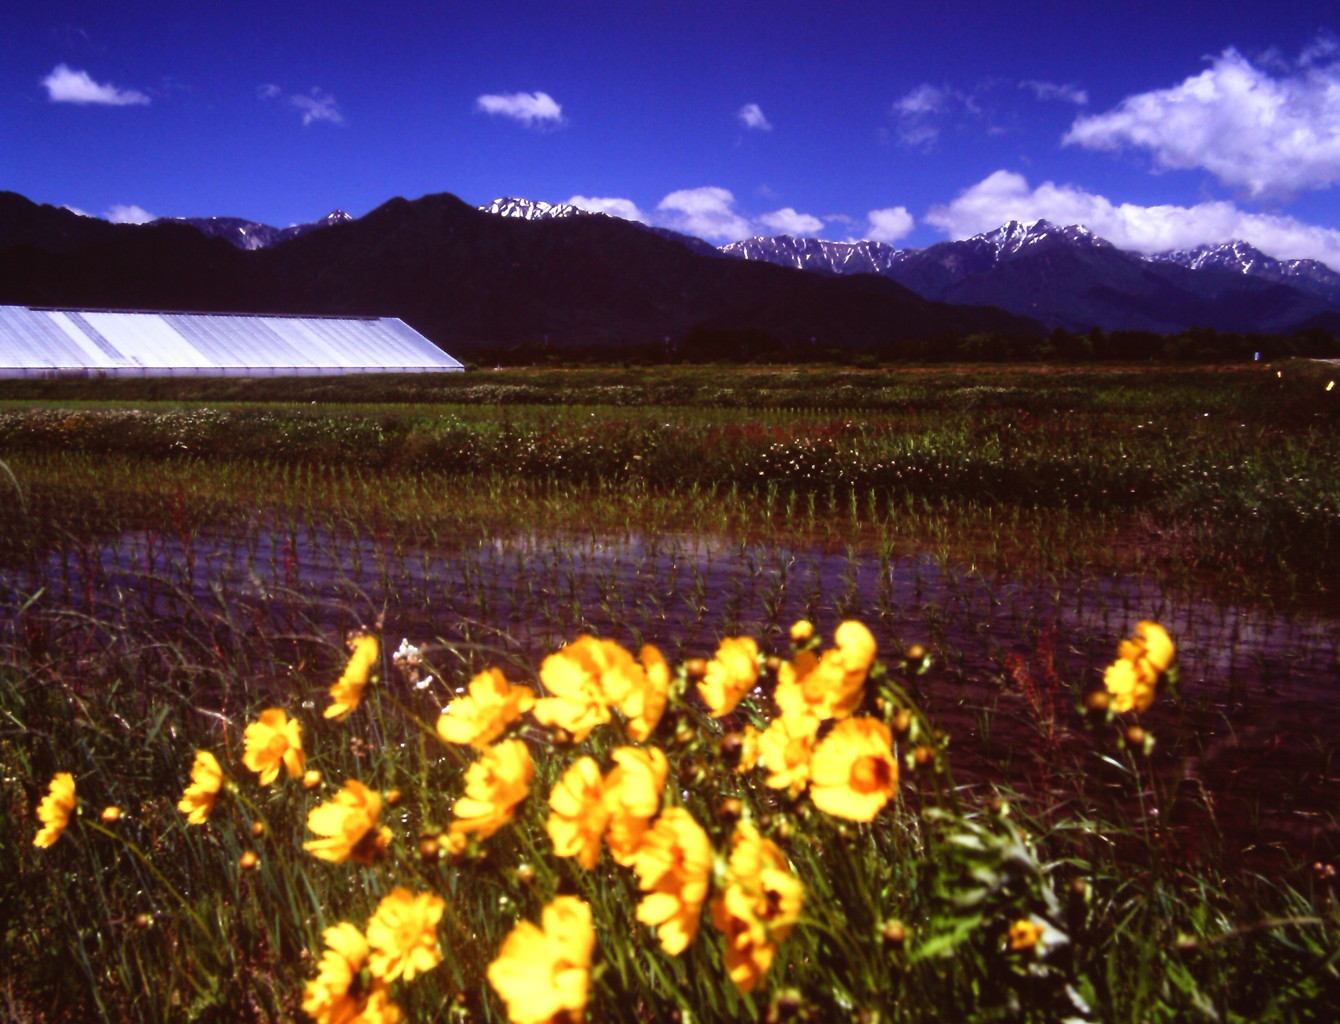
(47, 342)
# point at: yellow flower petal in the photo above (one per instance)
(543, 973)
(55, 809)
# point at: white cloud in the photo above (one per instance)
(751, 116)
(317, 106)
(625, 209)
(1053, 91)
(707, 212)
(923, 112)
(122, 213)
(65, 85)
(1005, 196)
(890, 224)
(1268, 135)
(787, 221)
(529, 108)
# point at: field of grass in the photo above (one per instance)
(178, 557)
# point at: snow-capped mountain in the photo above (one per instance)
(867, 257)
(1240, 257)
(248, 234)
(815, 254)
(532, 209)
(1067, 276)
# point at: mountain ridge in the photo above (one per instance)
(472, 281)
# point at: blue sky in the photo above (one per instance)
(1159, 125)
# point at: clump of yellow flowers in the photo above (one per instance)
(609, 729)
(1132, 680)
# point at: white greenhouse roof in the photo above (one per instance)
(43, 342)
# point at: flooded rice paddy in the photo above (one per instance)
(1250, 742)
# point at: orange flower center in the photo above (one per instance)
(870, 774)
(797, 751)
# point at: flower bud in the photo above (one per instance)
(111, 814)
(730, 809)
(1098, 700)
(802, 631)
(258, 829)
(894, 933)
(248, 860)
(311, 778)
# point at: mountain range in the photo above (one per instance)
(1062, 276)
(1066, 276)
(518, 272)
(474, 282)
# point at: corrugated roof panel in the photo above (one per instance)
(25, 339)
(146, 339)
(37, 341)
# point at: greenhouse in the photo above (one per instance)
(49, 342)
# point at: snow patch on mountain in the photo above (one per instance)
(532, 209)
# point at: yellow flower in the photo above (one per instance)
(206, 780)
(760, 870)
(730, 675)
(749, 954)
(347, 825)
(750, 750)
(402, 934)
(1142, 659)
(1133, 678)
(785, 749)
(644, 702)
(578, 815)
(494, 786)
(581, 677)
(1129, 692)
(1024, 934)
(1150, 645)
(801, 631)
(632, 797)
(347, 692)
(337, 995)
(758, 908)
(831, 686)
(481, 717)
(272, 740)
(673, 864)
(853, 773)
(857, 646)
(55, 809)
(543, 974)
